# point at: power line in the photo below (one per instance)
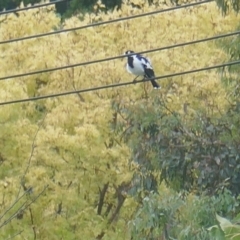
(31, 7)
(121, 56)
(118, 84)
(104, 22)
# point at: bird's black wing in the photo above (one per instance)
(149, 72)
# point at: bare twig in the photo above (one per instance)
(23, 207)
(15, 202)
(69, 185)
(59, 209)
(168, 109)
(74, 87)
(31, 154)
(13, 236)
(1, 159)
(33, 227)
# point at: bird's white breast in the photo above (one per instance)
(138, 68)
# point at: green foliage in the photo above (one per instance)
(227, 5)
(198, 151)
(180, 216)
(155, 217)
(84, 6)
(225, 229)
(11, 4)
(230, 74)
(68, 8)
(77, 6)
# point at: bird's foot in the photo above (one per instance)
(135, 79)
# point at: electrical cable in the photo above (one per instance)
(118, 84)
(121, 56)
(105, 22)
(31, 7)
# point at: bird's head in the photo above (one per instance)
(128, 52)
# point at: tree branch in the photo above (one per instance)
(120, 200)
(101, 198)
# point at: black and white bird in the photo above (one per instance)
(140, 66)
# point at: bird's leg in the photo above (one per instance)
(135, 79)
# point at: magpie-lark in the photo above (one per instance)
(140, 66)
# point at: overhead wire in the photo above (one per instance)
(118, 84)
(105, 22)
(112, 58)
(120, 56)
(31, 7)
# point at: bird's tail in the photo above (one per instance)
(155, 84)
(149, 73)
